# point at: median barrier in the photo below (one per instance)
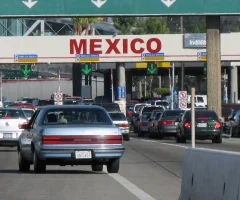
(210, 175)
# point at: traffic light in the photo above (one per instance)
(87, 69)
(152, 69)
(205, 71)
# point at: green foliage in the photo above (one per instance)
(124, 24)
(162, 91)
(151, 25)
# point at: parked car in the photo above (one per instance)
(120, 120)
(167, 123)
(72, 100)
(11, 120)
(83, 135)
(208, 126)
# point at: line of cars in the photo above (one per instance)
(159, 122)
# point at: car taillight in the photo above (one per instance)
(217, 125)
(123, 125)
(187, 124)
(83, 139)
(129, 113)
(24, 123)
(166, 122)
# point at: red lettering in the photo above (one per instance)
(78, 48)
(158, 45)
(133, 46)
(95, 44)
(112, 46)
(125, 45)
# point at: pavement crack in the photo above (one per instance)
(156, 162)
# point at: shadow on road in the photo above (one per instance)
(63, 172)
(8, 150)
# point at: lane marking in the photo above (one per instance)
(140, 194)
(169, 144)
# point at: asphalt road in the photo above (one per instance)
(149, 170)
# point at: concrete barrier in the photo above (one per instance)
(210, 175)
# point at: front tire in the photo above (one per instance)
(113, 166)
(23, 165)
(38, 165)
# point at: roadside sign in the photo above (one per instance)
(121, 92)
(182, 99)
(26, 8)
(58, 96)
(182, 104)
(202, 56)
(58, 103)
(182, 95)
(152, 56)
(152, 69)
(26, 58)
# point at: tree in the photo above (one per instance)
(151, 25)
(81, 22)
(162, 91)
(124, 24)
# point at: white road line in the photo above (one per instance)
(169, 144)
(140, 194)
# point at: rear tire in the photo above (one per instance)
(127, 138)
(140, 133)
(97, 167)
(38, 165)
(217, 140)
(159, 135)
(113, 166)
(23, 165)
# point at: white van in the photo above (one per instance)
(200, 100)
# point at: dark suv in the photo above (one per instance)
(207, 126)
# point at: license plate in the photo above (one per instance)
(202, 125)
(83, 154)
(7, 135)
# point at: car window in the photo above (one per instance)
(150, 109)
(157, 116)
(172, 114)
(118, 116)
(11, 114)
(28, 113)
(76, 116)
(111, 107)
(146, 115)
(203, 115)
(162, 103)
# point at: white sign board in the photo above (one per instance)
(58, 103)
(122, 105)
(121, 48)
(58, 96)
(182, 99)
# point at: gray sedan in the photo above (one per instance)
(70, 135)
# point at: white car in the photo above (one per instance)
(11, 120)
(120, 120)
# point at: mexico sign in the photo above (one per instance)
(121, 48)
(70, 8)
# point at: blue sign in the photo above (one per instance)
(121, 92)
(175, 91)
(87, 57)
(26, 58)
(152, 54)
(202, 55)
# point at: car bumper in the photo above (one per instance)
(169, 131)
(203, 134)
(8, 142)
(104, 152)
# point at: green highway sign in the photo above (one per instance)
(152, 69)
(26, 69)
(87, 69)
(19, 74)
(57, 8)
